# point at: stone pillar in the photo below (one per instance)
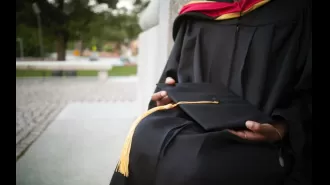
(147, 63)
(148, 56)
(155, 44)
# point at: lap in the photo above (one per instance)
(170, 148)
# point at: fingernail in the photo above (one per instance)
(169, 80)
(249, 124)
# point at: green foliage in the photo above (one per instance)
(74, 20)
(107, 48)
(30, 38)
(115, 71)
(108, 26)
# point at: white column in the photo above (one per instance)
(155, 44)
(148, 53)
(147, 59)
(164, 37)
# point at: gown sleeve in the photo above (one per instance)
(298, 115)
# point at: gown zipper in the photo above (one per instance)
(235, 46)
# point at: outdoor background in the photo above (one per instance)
(70, 125)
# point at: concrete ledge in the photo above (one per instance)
(102, 67)
(64, 65)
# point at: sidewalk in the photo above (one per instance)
(40, 100)
(80, 147)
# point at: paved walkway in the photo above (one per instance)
(39, 101)
(81, 146)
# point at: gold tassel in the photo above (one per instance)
(122, 166)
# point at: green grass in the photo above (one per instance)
(115, 71)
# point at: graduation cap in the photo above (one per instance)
(230, 111)
(211, 106)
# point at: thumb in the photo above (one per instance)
(170, 81)
(252, 125)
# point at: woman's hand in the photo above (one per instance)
(161, 97)
(262, 132)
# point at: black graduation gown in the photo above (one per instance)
(263, 60)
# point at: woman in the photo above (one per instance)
(237, 103)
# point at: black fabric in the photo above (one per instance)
(265, 58)
(231, 112)
(175, 150)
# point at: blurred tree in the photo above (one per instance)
(140, 5)
(115, 26)
(62, 19)
(76, 22)
(29, 35)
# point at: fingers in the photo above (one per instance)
(170, 81)
(161, 98)
(267, 130)
(253, 136)
(158, 96)
(248, 135)
(253, 126)
(257, 132)
(165, 100)
(264, 129)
